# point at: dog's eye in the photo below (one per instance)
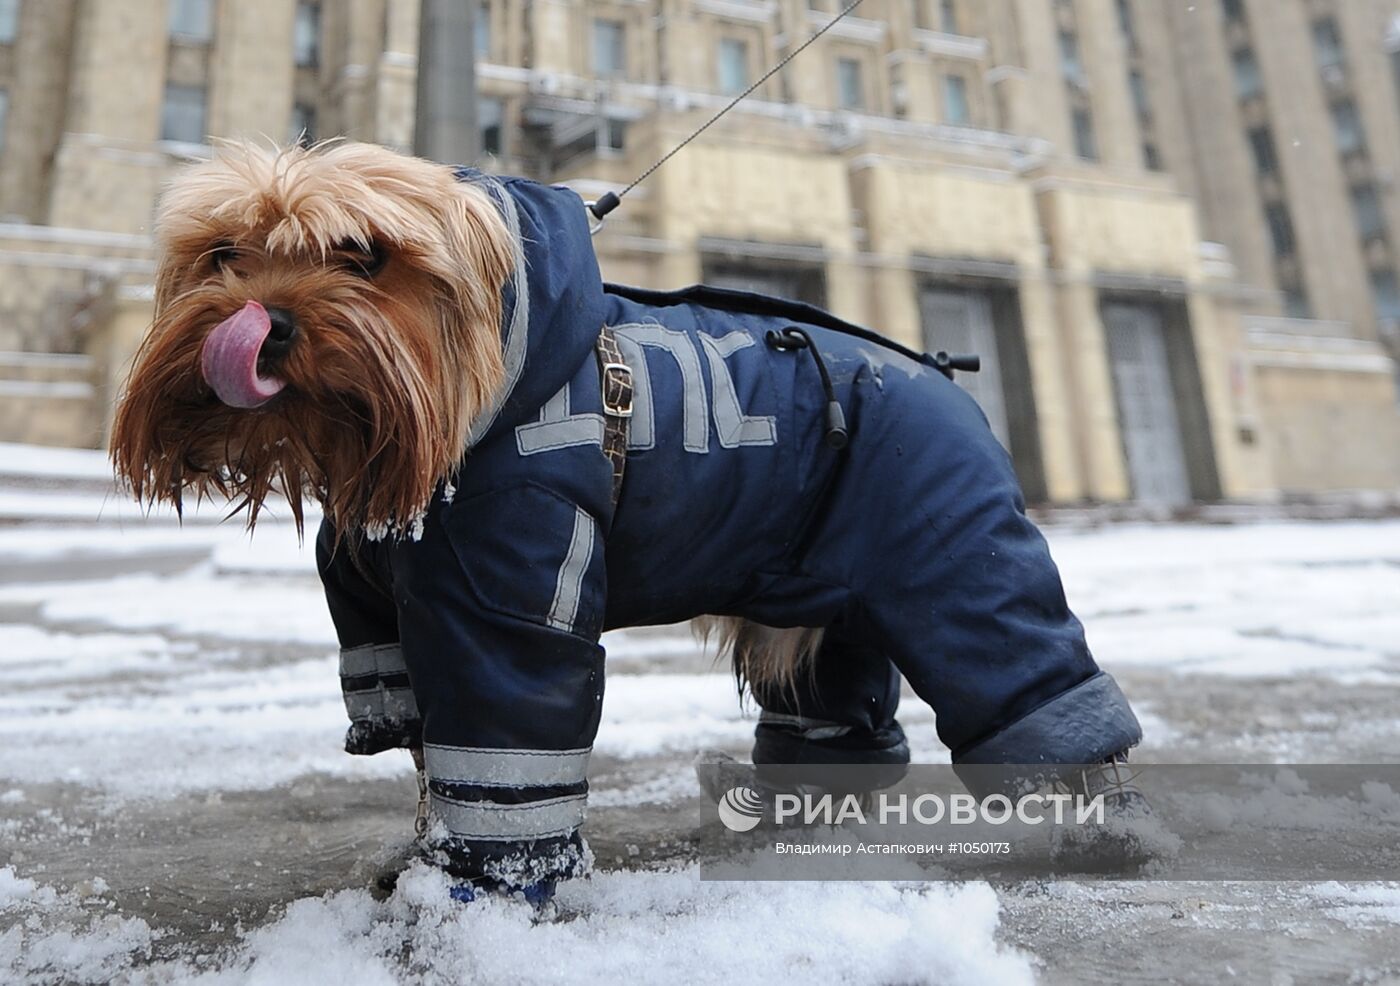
(223, 255)
(363, 262)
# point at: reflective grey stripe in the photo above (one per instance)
(487, 820)
(379, 702)
(735, 428)
(380, 659)
(815, 729)
(695, 411)
(558, 428)
(504, 768)
(518, 329)
(641, 434)
(567, 586)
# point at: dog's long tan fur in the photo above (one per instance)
(381, 394)
(381, 398)
(767, 658)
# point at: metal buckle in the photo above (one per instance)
(617, 411)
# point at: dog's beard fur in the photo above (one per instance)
(388, 372)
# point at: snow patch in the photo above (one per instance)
(60, 938)
(635, 927)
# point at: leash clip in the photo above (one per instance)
(598, 210)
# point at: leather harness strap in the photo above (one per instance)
(616, 378)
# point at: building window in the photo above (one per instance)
(1295, 303)
(614, 136)
(1233, 10)
(1070, 65)
(948, 17)
(1261, 143)
(303, 126)
(9, 20)
(4, 115)
(1395, 62)
(955, 106)
(1084, 144)
(1246, 71)
(489, 114)
(1151, 157)
(1125, 21)
(1366, 206)
(797, 281)
(1138, 85)
(850, 91)
(182, 115)
(192, 20)
(1386, 290)
(609, 48)
(481, 32)
(1327, 45)
(1280, 229)
(733, 66)
(1346, 127)
(306, 34)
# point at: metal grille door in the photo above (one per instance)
(1147, 415)
(961, 322)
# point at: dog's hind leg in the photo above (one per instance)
(842, 712)
(834, 706)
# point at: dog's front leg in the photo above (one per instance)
(499, 608)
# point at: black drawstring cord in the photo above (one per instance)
(793, 338)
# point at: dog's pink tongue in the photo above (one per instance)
(229, 360)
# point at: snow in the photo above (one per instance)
(200, 602)
(1359, 906)
(659, 927)
(12, 888)
(645, 928)
(54, 463)
(64, 939)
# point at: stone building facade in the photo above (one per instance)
(1045, 182)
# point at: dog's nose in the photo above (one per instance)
(282, 334)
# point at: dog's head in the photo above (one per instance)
(326, 321)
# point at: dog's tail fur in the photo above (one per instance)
(766, 658)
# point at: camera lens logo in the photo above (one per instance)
(741, 809)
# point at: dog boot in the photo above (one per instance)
(1130, 835)
(539, 895)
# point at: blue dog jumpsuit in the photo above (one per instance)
(478, 637)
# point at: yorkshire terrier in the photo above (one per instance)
(511, 457)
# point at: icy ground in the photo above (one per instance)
(174, 805)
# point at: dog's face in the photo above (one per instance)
(326, 320)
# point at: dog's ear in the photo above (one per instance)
(479, 254)
(472, 269)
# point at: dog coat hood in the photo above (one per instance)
(553, 302)
(480, 640)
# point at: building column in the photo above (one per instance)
(1053, 392)
(1103, 469)
(107, 171)
(894, 306)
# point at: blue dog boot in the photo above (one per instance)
(463, 893)
(539, 895)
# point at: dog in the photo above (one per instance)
(512, 456)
